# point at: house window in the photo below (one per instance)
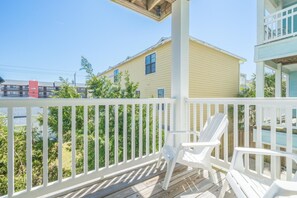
(116, 75)
(161, 94)
(150, 63)
(137, 94)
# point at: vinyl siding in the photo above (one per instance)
(212, 73)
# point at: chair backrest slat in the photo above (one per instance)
(212, 131)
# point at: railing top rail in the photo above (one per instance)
(251, 101)
(280, 11)
(29, 102)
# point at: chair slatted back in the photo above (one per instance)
(214, 128)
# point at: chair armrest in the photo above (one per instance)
(201, 144)
(237, 160)
(258, 151)
(281, 188)
(183, 132)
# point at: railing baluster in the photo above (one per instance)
(85, 139)
(96, 137)
(133, 133)
(171, 128)
(273, 143)
(60, 142)
(154, 128)
(125, 133)
(29, 148)
(208, 110)
(45, 146)
(106, 136)
(289, 147)
(10, 162)
(73, 141)
(246, 134)
(116, 135)
(165, 120)
(160, 127)
(201, 116)
(195, 121)
(226, 143)
(259, 159)
(217, 148)
(235, 117)
(140, 130)
(147, 137)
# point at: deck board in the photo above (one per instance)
(147, 181)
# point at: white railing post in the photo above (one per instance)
(29, 148)
(73, 141)
(85, 139)
(45, 146)
(60, 143)
(10, 162)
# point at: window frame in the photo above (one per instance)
(116, 73)
(150, 65)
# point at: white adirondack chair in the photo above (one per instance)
(246, 184)
(197, 154)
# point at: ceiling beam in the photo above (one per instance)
(138, 9)
(152, 4)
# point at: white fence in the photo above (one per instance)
(281, 24)
(115, 133)
(246, 129)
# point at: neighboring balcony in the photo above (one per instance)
(101, 147)
(279, 42)
(281, 24)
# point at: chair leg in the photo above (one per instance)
(212, 175)
(224, 188)
(170, 168)
(159, 161)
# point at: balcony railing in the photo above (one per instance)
(248, 128)
(281, 24)
(98, 137)
(105, 129)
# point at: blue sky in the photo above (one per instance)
(42, 39)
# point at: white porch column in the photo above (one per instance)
(260, 79)
(278, 81)
(287, 85)
(260, 21)
(180, 61)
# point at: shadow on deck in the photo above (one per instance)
(146, 181)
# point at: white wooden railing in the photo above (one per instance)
(246, 129)
(118, 126)
(125, 122)
(281, 24)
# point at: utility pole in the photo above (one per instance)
(74, 80)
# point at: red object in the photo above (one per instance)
(33, 89)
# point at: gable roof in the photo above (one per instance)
(165, 40)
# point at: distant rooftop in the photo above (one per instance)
(45, 84)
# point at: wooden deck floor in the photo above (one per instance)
(146, 182)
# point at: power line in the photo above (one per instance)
(32, 68)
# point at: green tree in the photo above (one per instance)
(269, 87)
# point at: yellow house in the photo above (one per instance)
(214, 72)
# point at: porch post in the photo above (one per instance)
(260, 40)
(180, 62)
(278, 81)
(260, 79)
(260, 21)
(287, 85)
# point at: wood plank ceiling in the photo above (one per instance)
(155, 9)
